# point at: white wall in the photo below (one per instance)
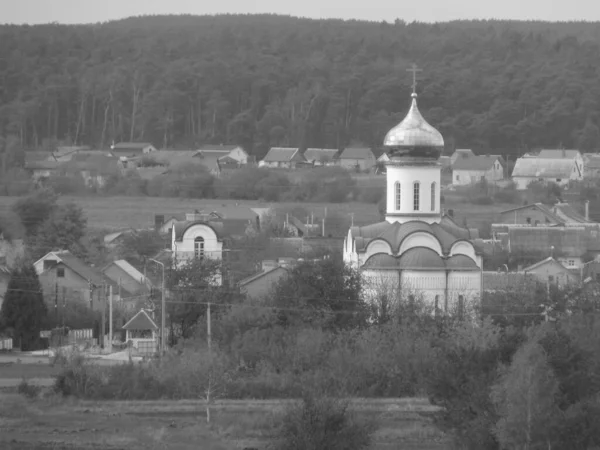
(184, 250)
(239, 155)
(407, 176)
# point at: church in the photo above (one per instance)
(417, 251)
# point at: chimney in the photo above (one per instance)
(587, 210)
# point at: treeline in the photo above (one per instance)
(266, 80)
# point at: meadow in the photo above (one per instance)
(54, 423)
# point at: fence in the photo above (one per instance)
(6, 345)
(147, 348)
(59, 337)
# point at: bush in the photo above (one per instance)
(28, 390)
(508, 195)
(321, 422)
(482, 200)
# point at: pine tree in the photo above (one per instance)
(23, 310)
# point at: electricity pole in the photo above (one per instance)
(103, 309)
(163, 311)
(110, 318)
(208, 337)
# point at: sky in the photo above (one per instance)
(93, 11)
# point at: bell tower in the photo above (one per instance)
(413, 171)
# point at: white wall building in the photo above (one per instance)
(472, 170)
(416, 251)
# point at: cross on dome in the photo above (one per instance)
(414, 69)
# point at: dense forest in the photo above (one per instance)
(266, 80)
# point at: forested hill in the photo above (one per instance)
(268, 80)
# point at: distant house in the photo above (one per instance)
(94, 169)
(131, 149)
(530, 169)
(282, 158)
(461, 153)
(41, 155)
(66, 153)
(62, 269)
(574, 155)
(383, 158)
(142, 332)
(127, 278)
(210, 161)
(261, 284)
(234, 152)
(166, 158)
(321, 156)
(553, 272)
(477, 168)
(40, 170)
(114, 239)
(591, 165)
(539, 214)
(357, 158)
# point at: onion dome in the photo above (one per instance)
(414, 137)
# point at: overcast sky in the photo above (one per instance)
(90, 11)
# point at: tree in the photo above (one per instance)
(141, 245)
(34, 209)
(23, 311)
(525, 398)
(62, 230)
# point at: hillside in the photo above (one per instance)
(268, 80)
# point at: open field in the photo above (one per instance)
(118, 212)
(55, 423)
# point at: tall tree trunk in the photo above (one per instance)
(79, 119)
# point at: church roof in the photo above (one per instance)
(413, 131)
(446, 232)
(420, 258)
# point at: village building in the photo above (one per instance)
(362, 159)
(41, 170)
(259, 285)
(591, 165)
(529, 169)
(475, 169)
(321, 156)
(127, 278)
(131, 149)
(141, 332)
(460, 153)
(550, 271)
(282, 158)
(220, 152)
(114, 239)
(416, 250)
(560, 214)
(573, 155)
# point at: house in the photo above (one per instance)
(62, 270)
(166, 158)
(574, 155)
(321, 156)
(41, 155)
(131, 149)
(530, 169)
(96, 169)
(461, 153)
(474, 169)
(210, 161)
(142, 333)
(66, 153)
(234, 152)
(551, 271)
(357, 158)
(127, 278)
(40, 170)
(114, 239)
(282, 158)
(539, 214)
(164, 224)
(591, 165)
(261, 284)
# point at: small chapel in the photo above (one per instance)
(417, 251)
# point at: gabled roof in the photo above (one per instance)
(548, 260)
(532, 167)
(231, 212)
(283, 154)
(357, 153)
(481, 162)
(562, 241)
(261, 274)
(561, 212)
(141, 321)
(172, 157)
(129, 270)
(111, 237)
(558, 154)
(131, 146)
(76, 265)
(320, 154)
(218, 148)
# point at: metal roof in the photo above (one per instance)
(357, 153)
(481, 162)
(282, 154)
(558, 154)
(532, 167)
(320, 154)
(218, 148)
(141, 321)
(131, 145)
(413, 131)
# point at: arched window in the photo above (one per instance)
(416, 194)
(398, 196)
(433, 196)
(199, 247)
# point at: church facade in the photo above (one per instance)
(416, 251)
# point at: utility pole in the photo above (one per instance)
(208, 337)
(110, 318)
(64, 295)
(103, 309)
(163, 309)
(56, 303)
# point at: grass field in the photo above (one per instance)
(13, 370)
(55, 423)
(118, 212)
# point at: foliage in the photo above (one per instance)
(508, 194)
(34, 209)
(149, 161)
(16, 182)
(140, 245)
(322, 422)
(23, 310)
(324, 184)
(548, 193)
(325, 292)
(28, 390)
(187, 181)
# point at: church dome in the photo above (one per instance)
(414, 137)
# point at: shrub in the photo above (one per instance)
(482, 200)
(322, 422)
(508, 195)
(28, 390)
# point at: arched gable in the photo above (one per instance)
(200, 230)
(420, 239)
(463, 247)
(377, 246)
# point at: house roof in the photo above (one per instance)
(567, 241)
(320, 154)
(111, 237)
(131, 145)
(231, 212)
(218, 147)
(141, 321)
(532, 167)
(172, 157)
(560, 212)
(102, 163)
(261, 274)
(593, 162)
(357, 153)
(281, 154)
(42, 165)
(77, 266)
(420, 258)
(129, 270)
(481, 162)
(558, 154)
(214, 153)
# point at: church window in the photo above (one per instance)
(199, 247)
(433, 196)
(398, 196)
(416, 193)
